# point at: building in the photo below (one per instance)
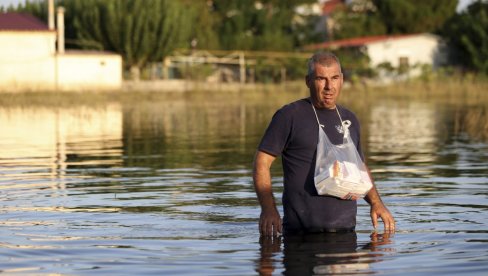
(30, 60)
(407, 51)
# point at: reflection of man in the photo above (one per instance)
(269, 247)
(293, 134)
(324, 253)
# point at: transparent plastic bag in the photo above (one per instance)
(339, 170)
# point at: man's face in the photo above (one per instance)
(325, 85)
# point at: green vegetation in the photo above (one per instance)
(412, 16)
(256, 25)
(352, 24)
(381, 17)
(468, 34)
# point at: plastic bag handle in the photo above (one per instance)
(345, 124)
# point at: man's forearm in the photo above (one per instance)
(379, 210)
(372, 197)
(262, 186)
(262, 180)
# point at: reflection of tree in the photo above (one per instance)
(207, 130)
(179, 134)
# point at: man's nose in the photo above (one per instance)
(326, 84)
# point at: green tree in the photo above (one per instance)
(203, 36)
(413, 16)
(355, 24)
(141, 31)
(467, 33)
(257, 25)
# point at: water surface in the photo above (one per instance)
(164, 187)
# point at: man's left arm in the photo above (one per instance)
(378, 209)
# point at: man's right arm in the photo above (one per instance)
(270, 220)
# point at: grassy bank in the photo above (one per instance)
(445, 91)
(249, 92)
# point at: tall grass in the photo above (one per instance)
(463, 91)
(472, 121)
(442, 90)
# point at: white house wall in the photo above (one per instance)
(25, 45)
(29, 62)
(26, 60)
(421, 49)
(84, 71)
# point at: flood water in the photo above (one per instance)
(163, 186)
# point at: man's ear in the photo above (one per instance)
(307, 80)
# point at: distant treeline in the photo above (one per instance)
(147, 31)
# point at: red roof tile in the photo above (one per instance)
(331, 6)
(21, 22)
(355, 42)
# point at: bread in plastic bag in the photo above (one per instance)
(339, 169)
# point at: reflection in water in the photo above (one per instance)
(44, 141)
(473, 121)
(403, 132)
(321, 254)
(37, 132)
(210, 132)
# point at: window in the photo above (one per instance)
(403, 62)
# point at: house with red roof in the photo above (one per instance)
(32, 58)
(406, 50)
(27, 52)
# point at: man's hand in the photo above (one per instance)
(270, 223)
(379, 210)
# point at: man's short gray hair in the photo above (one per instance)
(322, 58)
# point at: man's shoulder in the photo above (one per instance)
(296, 106)
(293, 112)
(345, 112)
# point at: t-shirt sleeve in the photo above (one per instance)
(277, 134)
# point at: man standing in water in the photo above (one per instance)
(293, 134)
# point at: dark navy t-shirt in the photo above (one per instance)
(293, 134)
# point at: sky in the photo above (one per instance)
(462, 3)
